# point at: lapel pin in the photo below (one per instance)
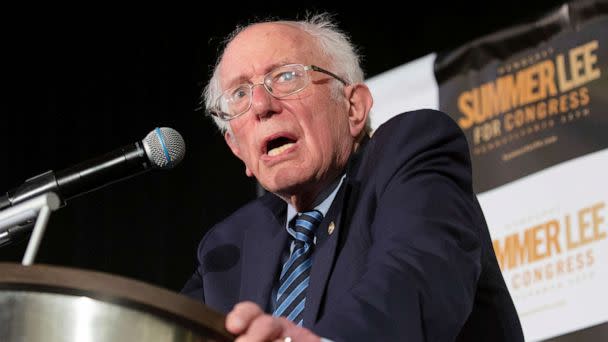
(330, 228)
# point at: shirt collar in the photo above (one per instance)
(324, 200)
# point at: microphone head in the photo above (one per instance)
(164, 147)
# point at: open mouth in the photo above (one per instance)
(278, 145)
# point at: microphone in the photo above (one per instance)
(162, 148)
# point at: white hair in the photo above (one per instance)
(330, 40)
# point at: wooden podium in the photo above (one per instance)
(48, 303)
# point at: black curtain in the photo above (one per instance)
(76, 92)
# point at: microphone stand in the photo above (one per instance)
(18, 218)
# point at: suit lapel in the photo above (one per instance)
(325, 253)
(262, 247)
(340, 214)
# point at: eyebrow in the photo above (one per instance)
(241, 79)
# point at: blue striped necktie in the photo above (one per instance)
(295, 275)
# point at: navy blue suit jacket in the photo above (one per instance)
(410, 257)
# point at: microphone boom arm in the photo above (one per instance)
(23, 213)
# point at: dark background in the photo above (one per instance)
(81, 82)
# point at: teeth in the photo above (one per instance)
(278, 150)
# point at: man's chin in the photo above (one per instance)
(285, 181)
(296, 192)
(284, 189)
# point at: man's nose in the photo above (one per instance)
(262, 103)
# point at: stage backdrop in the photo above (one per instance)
(532, 100)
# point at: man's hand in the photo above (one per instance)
(251, 324)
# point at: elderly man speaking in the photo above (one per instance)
(360, 237)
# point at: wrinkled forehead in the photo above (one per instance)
(262, 47)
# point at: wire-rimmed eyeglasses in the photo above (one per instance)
(280, 82)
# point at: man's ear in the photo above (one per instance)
(234, 147)
(360, 100)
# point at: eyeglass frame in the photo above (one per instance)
(226, 117)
